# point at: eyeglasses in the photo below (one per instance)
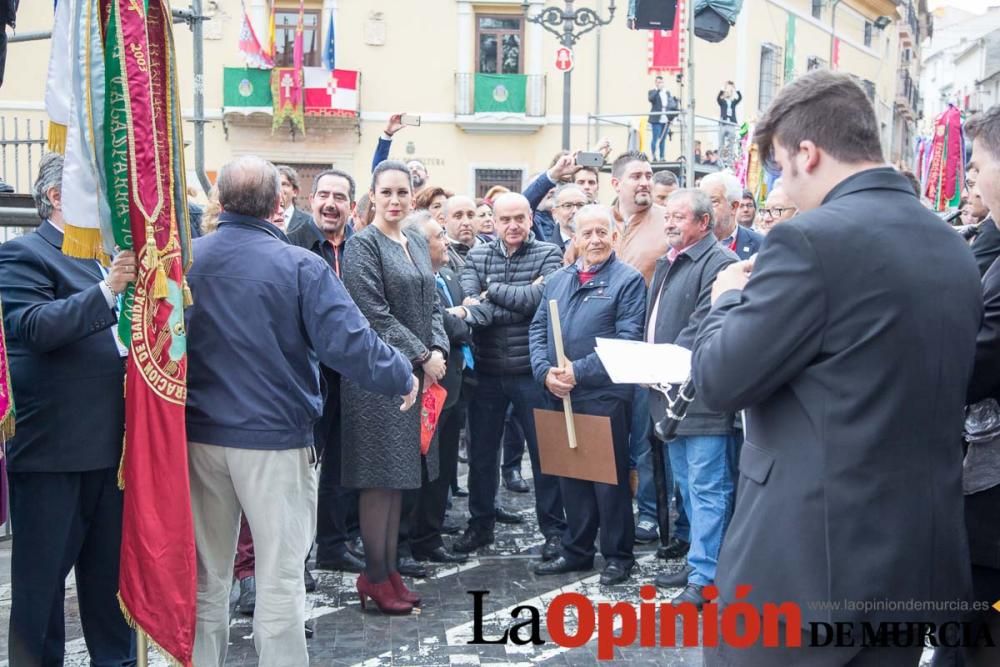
(776, 211)
(571, 205)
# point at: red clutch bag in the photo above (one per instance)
(432, 405)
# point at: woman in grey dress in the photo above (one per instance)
(389, 276)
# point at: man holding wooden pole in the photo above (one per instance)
(597, 296)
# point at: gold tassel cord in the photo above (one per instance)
(57, 137)
(188, 297)
(83, 242)
(160, 282)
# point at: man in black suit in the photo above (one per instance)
(981, 480)
(726, 194)
(67, 369)
(293, 218)
(662, 109)
(852, 360)
(326, 234)
(426, 521)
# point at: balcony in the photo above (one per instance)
(908, 26)
(500, 103)
(908, 100)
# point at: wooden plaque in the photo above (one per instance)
(593, 459)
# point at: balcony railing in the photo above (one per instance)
(522, 94)
(909, 25)
(908, 93)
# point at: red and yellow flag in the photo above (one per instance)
(287, 83)
(145, 171)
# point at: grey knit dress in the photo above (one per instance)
(381, 445)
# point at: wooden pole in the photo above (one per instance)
(561, 359)
(141, 649)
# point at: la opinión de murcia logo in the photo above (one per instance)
(738, 624)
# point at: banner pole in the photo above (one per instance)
(561, 359)
(142, 649)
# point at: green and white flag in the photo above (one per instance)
(247, 90)
(500, 93)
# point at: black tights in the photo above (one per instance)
(379, 511)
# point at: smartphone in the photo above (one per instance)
(409, 119)
(590, 159)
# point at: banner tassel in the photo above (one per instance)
(188, 297)
(160, 282)
(57, 137)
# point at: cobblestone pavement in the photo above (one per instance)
(439, 634)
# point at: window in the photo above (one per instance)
(770, 74)
(868, 33)
(487, 178)
(498, 44)
(817, 9)
(285, 21)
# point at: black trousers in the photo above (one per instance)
(63, 521)
(591, 505)
(513, 443)
(337, 506)
(428, 504)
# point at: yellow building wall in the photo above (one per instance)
(414, 71)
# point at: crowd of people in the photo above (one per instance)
(821, 457)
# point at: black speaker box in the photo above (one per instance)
(655, 14)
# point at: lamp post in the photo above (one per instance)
(569, 25)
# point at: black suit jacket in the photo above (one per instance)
(852, 360)
(656, 108)
(459, 333)
(67, 375)
(986, 247)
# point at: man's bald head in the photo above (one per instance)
(458, 201)
(249, 186)
(513, 219)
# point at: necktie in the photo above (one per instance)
(466, 350)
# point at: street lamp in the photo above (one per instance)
(568, 25)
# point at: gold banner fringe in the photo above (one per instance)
(135, 626)
(83, 242)
(57, 137)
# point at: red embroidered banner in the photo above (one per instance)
(666, 47)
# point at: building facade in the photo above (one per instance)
(443, 59)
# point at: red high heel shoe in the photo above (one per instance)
(402, 592)
(384, 596)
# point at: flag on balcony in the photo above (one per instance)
(246, 90)
(329, 52)
(271, 31)
(500, 93)
(790, 48)
(287, 83)
(146, 179)
(250, 47)
(330, 93)
(57, 94)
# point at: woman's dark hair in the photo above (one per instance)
(389, 165)
(426, 196)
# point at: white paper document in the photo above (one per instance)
(635, 362)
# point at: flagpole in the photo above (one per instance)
(142, 649)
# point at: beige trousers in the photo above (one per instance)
(277, 492)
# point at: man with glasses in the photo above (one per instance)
(570, 198)
(777, 208)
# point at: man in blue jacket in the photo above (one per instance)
(266, 315)
(598, 296)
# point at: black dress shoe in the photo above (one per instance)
(248, 596)
(310, 581)
(346, 562)
(506, 516)
(471, 540)
(673, 579)
(615, 573)
(560, 566)
(692, 594)
(552, 547)
(440, 555)
(356, 547)
(675, 548)
(459, 492)
(514, 482)
(408, 567)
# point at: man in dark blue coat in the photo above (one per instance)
(598, 297)
(67, 368)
